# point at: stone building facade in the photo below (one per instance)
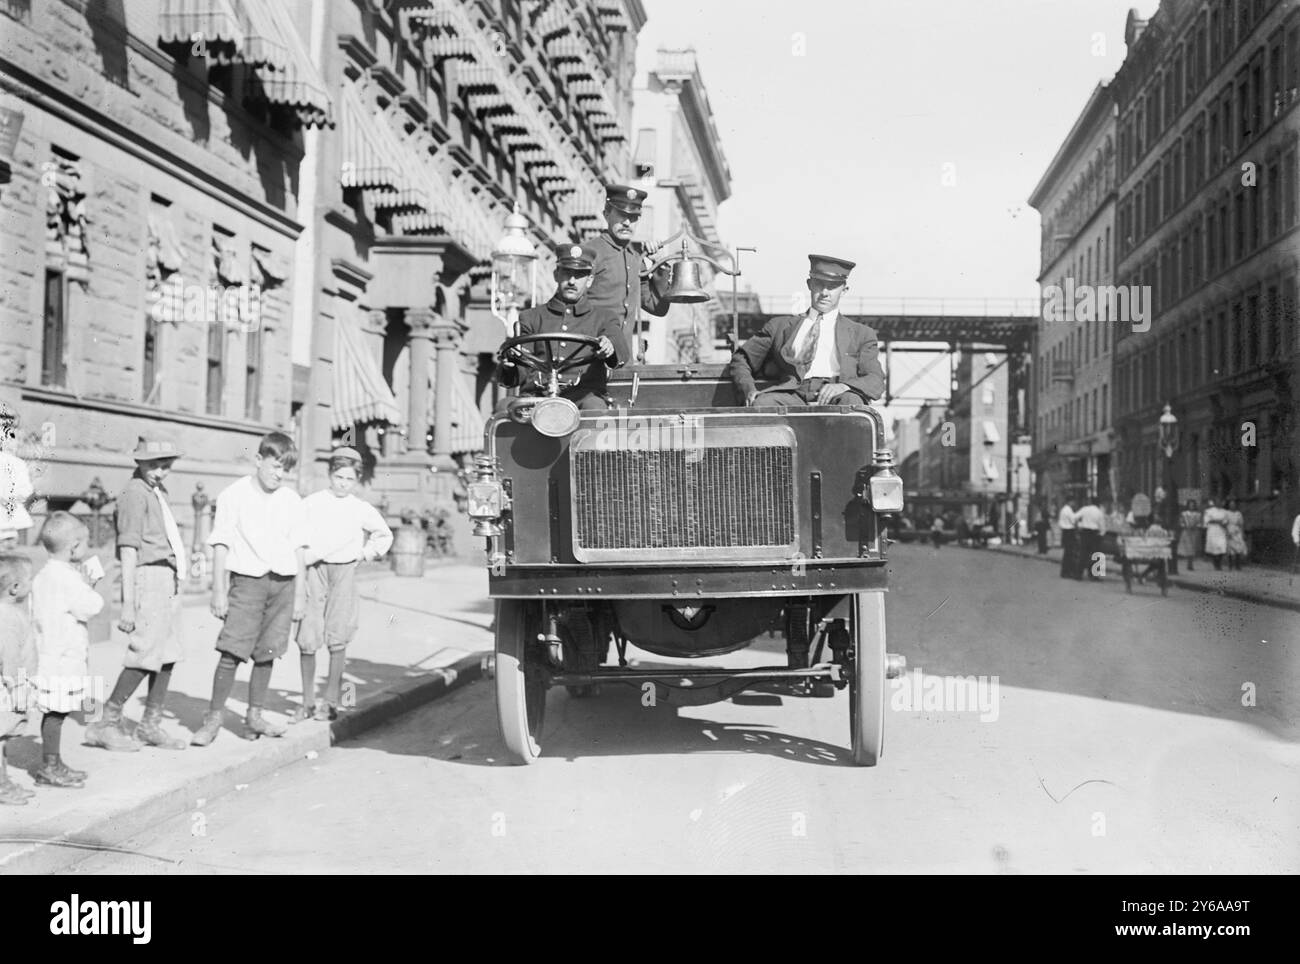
(678, 159)
(1070, 392)
(224, 217)
(1208, 221)
(451, 115)
(148, 235)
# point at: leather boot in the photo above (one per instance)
(255, 725)
(210, 728)
(151, 732)
(108, 732)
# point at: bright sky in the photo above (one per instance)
(843, 150)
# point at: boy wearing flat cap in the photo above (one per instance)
(570, 309)
(819, 357)
(621, 280)
(152, 557)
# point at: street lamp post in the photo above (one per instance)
(1168, 445)
(514, 273)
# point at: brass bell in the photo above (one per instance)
(684, 282)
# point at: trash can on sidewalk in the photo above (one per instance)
(408, 550)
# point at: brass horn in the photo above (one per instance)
(684, 281)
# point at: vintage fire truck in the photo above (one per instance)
(685, 525)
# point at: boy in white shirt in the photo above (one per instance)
(258, 590)
(344, 530)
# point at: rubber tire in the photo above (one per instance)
(867, 684)
(521, 695)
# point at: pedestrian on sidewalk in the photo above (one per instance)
(936, 531)
(258, 583)
(1069, 540)
(63, 600)
(17, 663)
(1215, 521)
(15, 483)
(1236, 525)
(345, 531)
(1042, 528)
(151, 555)
(1089, 525)
(1189, 537)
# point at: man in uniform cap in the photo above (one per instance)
(621, 281)
(570, 309)
(819, 357)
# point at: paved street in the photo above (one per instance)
(1120, 744)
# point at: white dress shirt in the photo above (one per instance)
(825, 364)
(259, 529)
(1090, 517)
(344, 529)
(1066, 519)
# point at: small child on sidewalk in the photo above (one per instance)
(17, 662)
(62, 601)
(153, 559)
(258, 586)
(344, 530)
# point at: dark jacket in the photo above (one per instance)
(769, 354)
(582, 318)
(621, 283)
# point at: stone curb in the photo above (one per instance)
(1244, 595)
(111, 828)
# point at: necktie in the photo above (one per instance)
(803, 361)
(173, 533)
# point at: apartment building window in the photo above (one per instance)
(1215, 147)
(1244, 20)
(1290, 312)
(1274, 103)
(1258, 118)
(1201, 55)
(1244, 126)
(1292, 58)
(1253, 327)
(1238, 337)
(1273, 316)
(1178, 88)
(1104, 390)
(54, 332)
(253, 375)
(215, 376)
(1216, 31)
(1225, 112)
(1239, 224)
(1153, 112)
(1290, 214)
(1106, 254)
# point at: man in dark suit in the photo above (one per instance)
(819, 357)
(570, 310)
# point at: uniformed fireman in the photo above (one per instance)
(571, 309)
(621, 279)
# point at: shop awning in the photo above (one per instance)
(360, 392)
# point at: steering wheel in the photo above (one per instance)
(552, 365)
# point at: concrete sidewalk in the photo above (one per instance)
(1257, 584)
(418, 638)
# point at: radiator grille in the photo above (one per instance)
(710, 498)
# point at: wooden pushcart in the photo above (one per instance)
(1148, 551)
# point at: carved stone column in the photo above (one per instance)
(446, 339)
(424, 324)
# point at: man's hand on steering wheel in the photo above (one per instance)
(606, 347)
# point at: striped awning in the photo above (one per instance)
(467, 421)
(294, 82)
(375, 160)
(360, 392)
(213, 29)
(259, 34)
